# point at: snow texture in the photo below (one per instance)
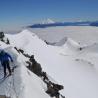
(71, 64)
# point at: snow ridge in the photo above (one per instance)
(70, 64)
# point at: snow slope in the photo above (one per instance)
(76, 69)
(22, 83)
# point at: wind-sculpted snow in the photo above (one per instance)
(11, 86)
(71, 65)
(72, 44)
(22, 83)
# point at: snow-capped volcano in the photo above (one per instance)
(47, 21)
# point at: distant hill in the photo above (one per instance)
(94, 23)
(59, 24)
(53, 24)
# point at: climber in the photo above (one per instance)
(4, 58)
(57, 86)
(32, 60)
(45, 77)
(21, 51)
(53, 89)
(36, 67)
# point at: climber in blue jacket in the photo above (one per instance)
(4, 58)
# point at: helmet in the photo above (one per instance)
(32, 56)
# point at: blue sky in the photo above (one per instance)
(15, 13)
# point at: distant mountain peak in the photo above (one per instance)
(48, 21)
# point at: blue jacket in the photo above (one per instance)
(5, 57)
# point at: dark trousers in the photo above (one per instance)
(6, 66)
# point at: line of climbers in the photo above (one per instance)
(52, 88)
(2, 38)
(35, 67)
(22, 51)
(5, 58)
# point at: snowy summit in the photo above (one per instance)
(69, 64)
(48, 21)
